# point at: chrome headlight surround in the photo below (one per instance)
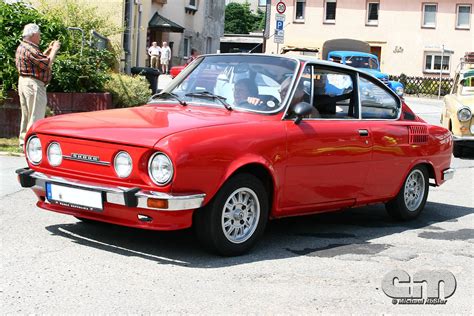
(464, 114)
(54, 154)
(123, 164)
(34, 150)
(399, 91)
(160, 169)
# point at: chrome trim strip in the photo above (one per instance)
(115, 194)
(448, 174)
(175, 202)
(102, 163)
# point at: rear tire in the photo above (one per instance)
(236, 217)
(458, 151)
(411, 198)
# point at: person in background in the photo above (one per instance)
(194, 55)
(154, 52)
(34, 69)
(165, 58)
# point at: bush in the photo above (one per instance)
(72, 72)
(128, 90)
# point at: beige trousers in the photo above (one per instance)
(32, 94)
(155, 61)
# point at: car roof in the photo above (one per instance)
(346, 53)
(301, 58)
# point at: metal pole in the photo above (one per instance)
(440, 73)
(137, 61)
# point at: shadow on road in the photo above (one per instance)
(323, 235)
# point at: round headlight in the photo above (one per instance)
(34, 151)
(399, 91)
(123, 164)
(160, 169)
(464, 114)
(55, 155)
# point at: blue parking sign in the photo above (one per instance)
(279, 25)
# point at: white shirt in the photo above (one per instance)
(166, 52)
(154, 51)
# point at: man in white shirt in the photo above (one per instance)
(165, 57)
(154, 52)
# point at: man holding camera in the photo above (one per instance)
(34, 69)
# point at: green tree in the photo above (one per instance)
(239, 19)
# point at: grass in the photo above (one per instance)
(10, 145)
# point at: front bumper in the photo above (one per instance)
(123, 206)
(464, 140)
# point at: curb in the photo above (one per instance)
(7, 153)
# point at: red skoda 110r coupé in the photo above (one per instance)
(236, 140)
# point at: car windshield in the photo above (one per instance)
(362, 62)
(241, 82)
(468, 85)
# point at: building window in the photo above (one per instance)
(463, 16)
(429, 15)
(330, 11)
(192, 3)
(433, 62)
(262, 3)
(186, 50)
(372, 13)
(209, 45)
(300, 6)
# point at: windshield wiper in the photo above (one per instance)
(209, 95)
(167, 95)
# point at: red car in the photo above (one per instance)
(174, 71)
(236, 141)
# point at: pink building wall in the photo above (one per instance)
(399, 26)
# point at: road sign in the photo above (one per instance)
(279, 25)
(279, 36)
(279, 17)
(281, 7)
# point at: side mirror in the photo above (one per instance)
(158, 91)
(301, 109)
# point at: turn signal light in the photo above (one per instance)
(157, 203)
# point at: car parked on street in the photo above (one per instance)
(457, 115)
(357, 54)
(237, 140)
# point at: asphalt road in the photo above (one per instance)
(330, 263)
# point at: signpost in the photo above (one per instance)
(281, 7)
(279, 35)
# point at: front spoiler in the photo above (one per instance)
(130, 197)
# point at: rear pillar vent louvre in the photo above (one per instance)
(418, 134)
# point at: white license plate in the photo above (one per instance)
(74, 197)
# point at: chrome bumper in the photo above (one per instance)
(448, 174)
(131, 197)
(463, 138)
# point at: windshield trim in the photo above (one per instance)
(283, 104)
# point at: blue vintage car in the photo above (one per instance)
(368, 63)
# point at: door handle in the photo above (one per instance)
(363, 132)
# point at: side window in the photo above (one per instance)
(376, 102)
(333, 95)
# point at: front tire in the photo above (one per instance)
(236, 217)
(411, 198)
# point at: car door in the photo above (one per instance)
(392, 150)
(330, 150)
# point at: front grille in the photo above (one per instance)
(384, 80)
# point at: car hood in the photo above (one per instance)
(375, 73)
(466, 100)
(140, 126)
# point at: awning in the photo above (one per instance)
(163, 24)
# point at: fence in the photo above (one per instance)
(424, 85)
